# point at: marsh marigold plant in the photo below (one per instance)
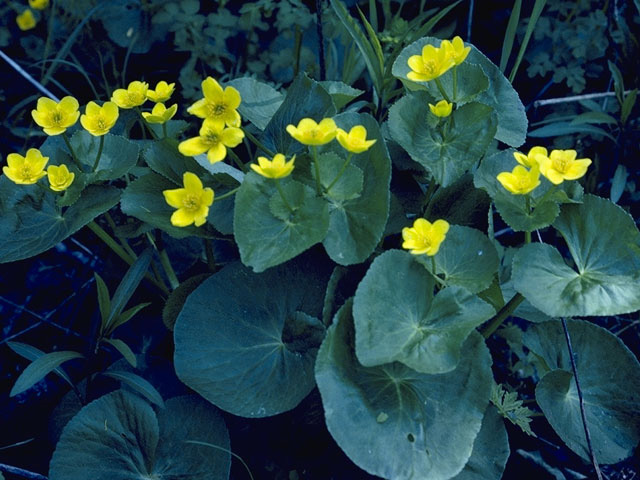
(562, 165)
(355, 141)
(214, 139)
(441, 109)
(308, 132)
(98, 120)
(192, 202)
(60, 178)
(25, 170)
(55, 117)
(218, 106)
(424, 237)
(162, 92)
(520, 181)
(276, 168)
(133, 96)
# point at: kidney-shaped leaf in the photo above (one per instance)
(259, 100)
(119, 436)
(610, 381)
(247, 342)
(395, 422)
(605, 246)
(398, 319)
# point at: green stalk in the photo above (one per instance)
(455, 83)
(164, 130)
(527, 234)
(281, 192)
(501, 316)
(228, 194)
(97, 162)
(110, 242)
(73, 153)
(258, 144)
(342, 170)
(211, 260)
(168, 269)
(317, 169)
(237, 160)
(441, 90)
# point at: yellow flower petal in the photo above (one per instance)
(193, 146)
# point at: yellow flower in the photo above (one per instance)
(26, 20)
(276, 168)
(60, 178)
(456, 49)
(39, 4)
(308, 132)
(25, 170)
(133, 96)
(54, 117)
(531, 159)
(356, 140)
(441, 109)
(214, 139)
(424, 237)
(192, 202)
(160, 113)
(98, 120)
(162, 93)
(431, 64)
(562, 165)
(520, 181)
(218, 105)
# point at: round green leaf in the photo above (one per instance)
(340, 92)
(605, 246)
(247, 342)
(119, 436)
(348, 186)
(512, 119)
(267, 233)
(397, 318)
(356, 224)
(395, 422)
(31, 222)
(490, 450)
(610, 381)
(260, 101)
(118, 155)
(446, 151)
(467, 258)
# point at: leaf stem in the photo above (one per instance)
(587, 433)
(164, 130)
(317, 169)
(442, 91)
(97, 162)
(342, 170)
(527, 234)
(502, 315)
(281, 192)
(237, 160)
(455, 83)
(258, 144)
(72, 151)
(228, 194)
(171, 274)
(211, 259)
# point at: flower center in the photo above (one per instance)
(102, 125)
(133, 97)
(191, 202)
(424, 241)
(430, 66)
(25, 171)
(212, 139)
(217, 109)
(56, 118)
(560, 164)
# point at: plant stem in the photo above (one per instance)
(455, 83)
(258, 144)
(73, 153)
(281, 192)
(342, 170)
(317, 169)
(208, 250)
(502, 315)
(97, 162)
(237, 160)
(228, 194)
(164, 130)
(171, 274)
(527, 234)
(587, 434)
(441, 90)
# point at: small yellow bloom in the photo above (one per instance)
(39, 4)
(162, 93)
(456, 49)
(431, 64)
(133, 96)
(218, 105)
(25, 170)
(308, 132)
(441, 109)
(562, 165)
(424, 237)
(54, 117)
(520, 181)
(98, 120)
(214, 139)
(276, 168)
(26, 20)
(531, 159)
(356, 140)
(192, 202)
(60, 178)
(160, 113)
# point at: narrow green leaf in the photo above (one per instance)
(125, 316)
(618, 81)
(40, 368)
(510, 35)
(373, 39)
(104, 300)
(627, 105)
(137, 383)
(594, 117)
(124, 349)
(128, 285)
(535, 15)
(33, 353)
(566, 128)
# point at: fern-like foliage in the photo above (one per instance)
(511, 408)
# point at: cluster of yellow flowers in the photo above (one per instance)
(27, 20)
(137, 93)
(29, 169)
(558, 166)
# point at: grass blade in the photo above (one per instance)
(535, 15)
(510, 34)
(40, 368)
